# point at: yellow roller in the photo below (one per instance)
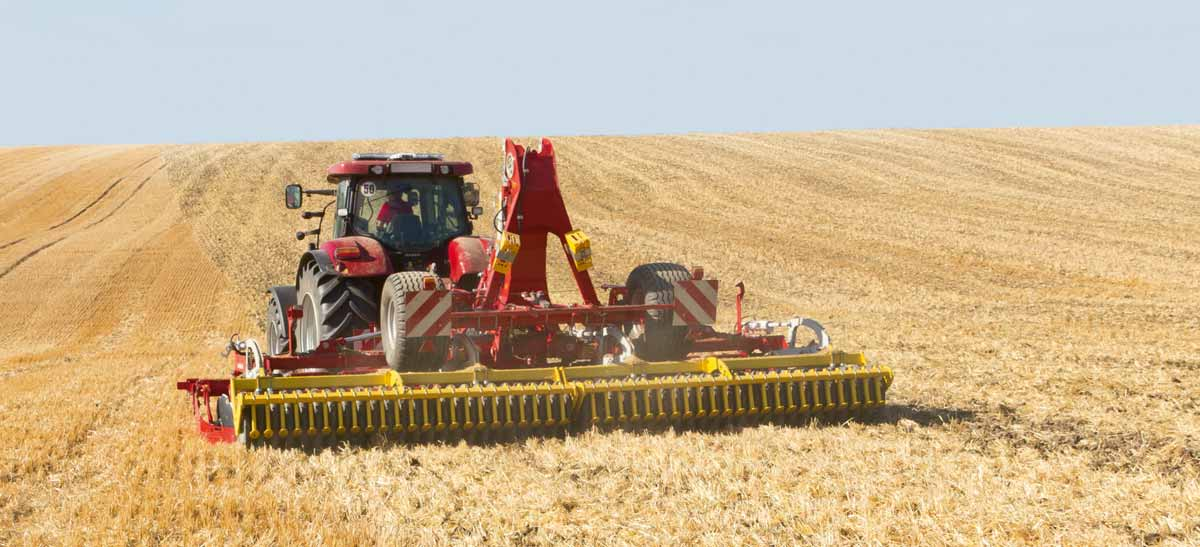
(481, 401)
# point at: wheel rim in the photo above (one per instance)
(273, 337)
(309, 337)
(389, 314)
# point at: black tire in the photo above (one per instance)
(333, 306)
(402, 355)
(282, 297)
(657, 339)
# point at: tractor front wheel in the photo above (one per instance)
(404, 354)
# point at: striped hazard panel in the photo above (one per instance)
(695, 302)
(428, 314)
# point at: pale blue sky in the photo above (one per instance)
(151, 72)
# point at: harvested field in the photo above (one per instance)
(1037, 292)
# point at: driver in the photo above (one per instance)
(397, 212)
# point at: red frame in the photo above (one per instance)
(205, 390)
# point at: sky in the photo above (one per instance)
(182, 72)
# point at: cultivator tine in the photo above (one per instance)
(450, 405)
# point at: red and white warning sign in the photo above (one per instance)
(428, 313)
(695, 302)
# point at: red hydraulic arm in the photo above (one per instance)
(533, 208)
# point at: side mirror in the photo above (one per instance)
(293, 196)
(470, 194)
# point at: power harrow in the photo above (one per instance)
(464, 341)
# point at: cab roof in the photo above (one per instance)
(403, 163)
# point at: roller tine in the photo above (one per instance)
(452, 402)
(370, 425)
(297, 411)
(354, 400)
(326, 425)
(397, 423)
(493, 422)
(470, 401)
(340, 428)
(426, 425)
(827, 382)
(285, 415)
(608, 414)
(690, 403)
(535, 406)
(522, 398)
(621, 393)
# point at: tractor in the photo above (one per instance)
(402, 222)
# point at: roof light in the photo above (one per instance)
(412, 167)
(415, 156)
(377, 169)
(445, 169)
(396, 156)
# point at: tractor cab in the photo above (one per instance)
(405, 213)
(414, 205)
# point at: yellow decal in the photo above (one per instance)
(580, 248)
(506, 252)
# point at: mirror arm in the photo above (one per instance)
(320, 192)
(321, 222)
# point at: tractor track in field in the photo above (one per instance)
(119, 206)
(135, 191)
(48, 160)
(87, 207)
(102, 194)
(30, 255)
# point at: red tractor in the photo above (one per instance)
(402, 222)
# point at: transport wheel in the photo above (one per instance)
(403, 354)
(657, 339)
(333, 306)
(282, 297)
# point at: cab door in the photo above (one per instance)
(343, 206)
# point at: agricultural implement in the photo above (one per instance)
(407, 325)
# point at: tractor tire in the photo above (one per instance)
(401, 353)
(657, 339)
(282, 297)
(333, 306)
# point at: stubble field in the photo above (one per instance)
(1037, 293)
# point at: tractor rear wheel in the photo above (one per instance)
(656, 339)
(404, 354)
(282, 297)
(333, 306)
